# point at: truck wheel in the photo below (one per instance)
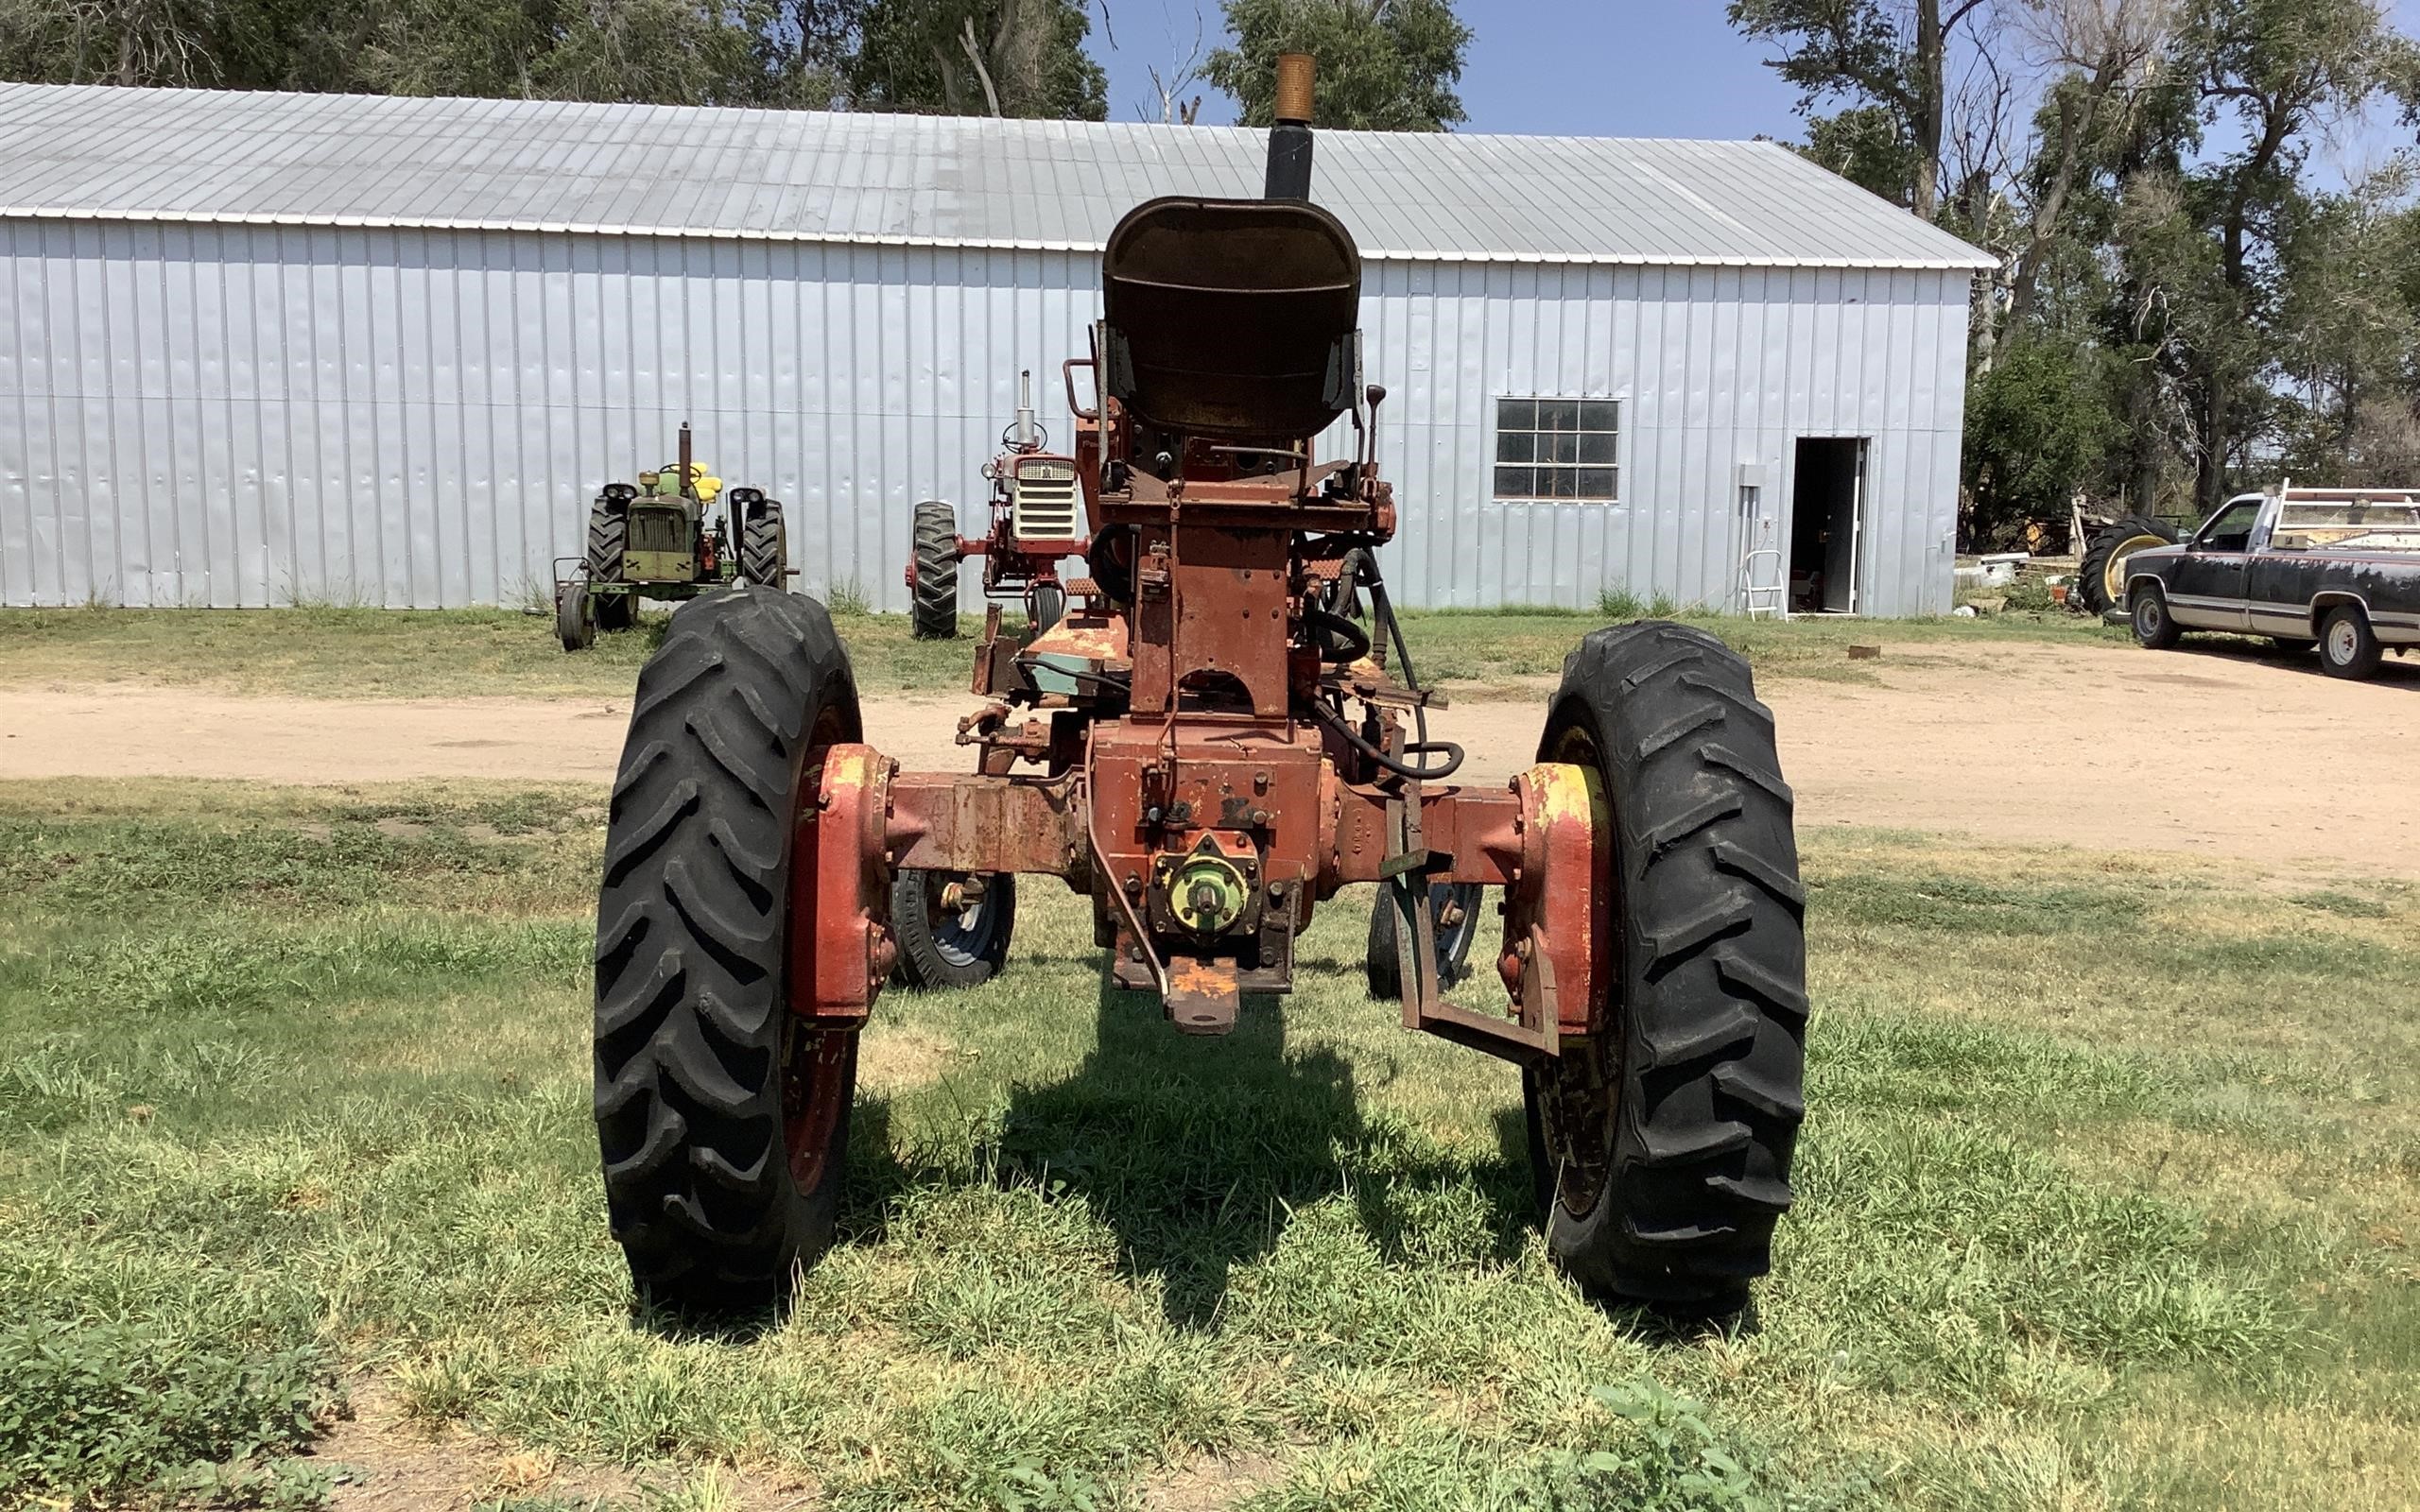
(765, 547)
(575, 615)
(1452, 908)
(722, 1121)
(2156, 627)
(944, 947)
(936, 602)
(2101, 578)
(1661, 1140)
(2347, 646)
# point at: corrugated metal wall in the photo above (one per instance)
(237, 416)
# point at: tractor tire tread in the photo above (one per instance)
(935, 610)
(691, 953)
(764, 547)
(2093, 569)
(1713, 1004)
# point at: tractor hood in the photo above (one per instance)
(1232, 318)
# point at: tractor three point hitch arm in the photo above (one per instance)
(1208, 744)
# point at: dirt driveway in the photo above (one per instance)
(2216, 751)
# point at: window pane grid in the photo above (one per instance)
(1558, 449)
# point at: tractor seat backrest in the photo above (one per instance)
(1232, 318)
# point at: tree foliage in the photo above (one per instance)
(2188, 301)
(1385, 66)
(1021, 58)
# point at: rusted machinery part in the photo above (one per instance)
(764, 546)
(1661, 1139)
(723, 1115)
(953, 928)
(1454, 908)
(575, 614)
(2100, 576)
(933, 573)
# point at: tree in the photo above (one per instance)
(1385, 66)
(1891, 54)
(2036, 426)
(1019, 58)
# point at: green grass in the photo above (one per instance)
(336, 652)
(2106, 1199)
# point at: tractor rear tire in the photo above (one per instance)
(2100, 576)
(764, 548)
(936, 605)
(1661, 1140)
(938, 950)
(609, 535)
(1455, 901)
(575, 615)
(722, 1121)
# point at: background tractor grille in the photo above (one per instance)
(659, 530)
(1045, 510)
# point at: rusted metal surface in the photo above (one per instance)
(945, 822)
(1558, 960)
(841, 948)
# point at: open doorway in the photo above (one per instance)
(1826, 520)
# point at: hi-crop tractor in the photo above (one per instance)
(1037, 521)
(663, 538)
(1205, 748)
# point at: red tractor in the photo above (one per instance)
(1207, 747)
(1037, 521)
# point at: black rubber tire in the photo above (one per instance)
(2348, 647)
(575, 615)
(935, 956)
(765, 547)
(609, 534)
(615, 611)
(2108, 549)
(1669, 1195)
(935, 610)
(1379, 962)
(1049, 604)
(722, 1126)
(2153, 621)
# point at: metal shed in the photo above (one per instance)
(261, 349)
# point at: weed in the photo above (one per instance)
(847, 598)
(1620, 605)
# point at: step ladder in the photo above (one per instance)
(1759, 597)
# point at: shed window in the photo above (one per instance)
(1558, 449)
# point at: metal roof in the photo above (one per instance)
(95, 152)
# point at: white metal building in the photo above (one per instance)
(257, 349)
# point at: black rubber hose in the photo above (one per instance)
(1452, 763)
(1330, 628)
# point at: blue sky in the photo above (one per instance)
(1572, 67)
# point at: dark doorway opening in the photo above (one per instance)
(1827, 519)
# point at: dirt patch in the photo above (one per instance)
(385, 1463)
(900, 1061)
(1211, 1483)
(2207, 750)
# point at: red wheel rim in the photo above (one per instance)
(814, 1063)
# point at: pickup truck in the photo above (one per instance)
(2339, 568)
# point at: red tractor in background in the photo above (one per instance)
(1207, 747)
(1037, 521)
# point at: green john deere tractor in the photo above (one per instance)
(665, 539)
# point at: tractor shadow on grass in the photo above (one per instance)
(1197, 1151)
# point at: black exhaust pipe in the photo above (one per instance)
(1289, 140)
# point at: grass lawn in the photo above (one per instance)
(2108, 1199)
(442, 653)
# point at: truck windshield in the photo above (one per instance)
(2367, 524)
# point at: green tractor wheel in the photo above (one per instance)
(608, 535)
(765, 547)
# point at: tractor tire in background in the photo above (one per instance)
(2100, 576)
(1661, 1142)
(765, 547)
(935, 610)
(941, 948)
(1048, 604)
(724, 1125)
(575, 615)
(1453, 908)
(609, 534)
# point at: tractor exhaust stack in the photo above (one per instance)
(1289, 140)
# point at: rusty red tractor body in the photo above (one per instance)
(1037, 521)
(1207, 748)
